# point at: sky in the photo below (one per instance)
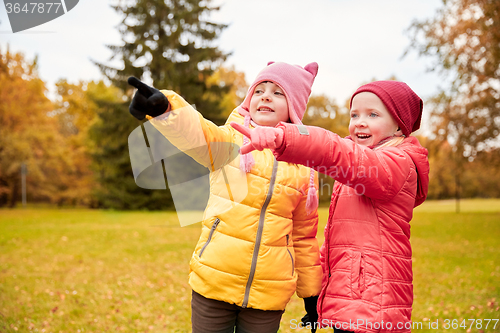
(353, 41)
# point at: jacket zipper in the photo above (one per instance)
(214, 226)
(290, 253)
(258, 238)
(327, 245)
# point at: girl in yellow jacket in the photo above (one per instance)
(258, 242)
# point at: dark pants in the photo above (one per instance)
(212, 316)
(335, 330)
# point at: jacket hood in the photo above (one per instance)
(418, 154)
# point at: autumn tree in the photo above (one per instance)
(77, 108)
(28, 135)
(324, 112)
(464, 40)
(237, 88)
(479, 178)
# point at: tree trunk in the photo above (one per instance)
(14, 194)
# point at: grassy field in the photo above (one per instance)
(94, 271)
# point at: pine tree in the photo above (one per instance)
(171, 42)
(111, 162)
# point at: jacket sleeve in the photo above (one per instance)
(378, 174)
(305, 244)
(208, 144)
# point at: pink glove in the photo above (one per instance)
(261, 137)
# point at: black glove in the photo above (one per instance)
(147, 100)
(312, 314)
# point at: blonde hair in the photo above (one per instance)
(395, 141)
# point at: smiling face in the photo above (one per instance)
(268, 105)
(371, 122)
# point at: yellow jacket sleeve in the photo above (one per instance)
(194, 135)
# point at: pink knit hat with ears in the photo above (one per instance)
(401, 102)
(296, 83)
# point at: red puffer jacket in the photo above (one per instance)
(366, 258)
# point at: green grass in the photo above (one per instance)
(457, 262)
(73, 270)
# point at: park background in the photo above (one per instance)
(82, 247)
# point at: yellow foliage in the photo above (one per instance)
(229, 77)
(28, 135)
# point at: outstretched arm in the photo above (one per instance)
(380, 173)
(209, 144)
(377, 174)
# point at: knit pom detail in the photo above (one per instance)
(312, 195)
(246, 161)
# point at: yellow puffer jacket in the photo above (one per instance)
(258, 244)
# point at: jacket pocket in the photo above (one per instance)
(212, 230)
(357, 274)
(290, 253)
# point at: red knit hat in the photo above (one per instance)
(402, 102)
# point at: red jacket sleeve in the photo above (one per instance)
(378, 174)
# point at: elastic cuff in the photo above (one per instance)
(279, 150)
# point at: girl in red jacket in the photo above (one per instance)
(381, 174)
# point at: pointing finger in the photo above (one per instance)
(242, 129)
(143, 88)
